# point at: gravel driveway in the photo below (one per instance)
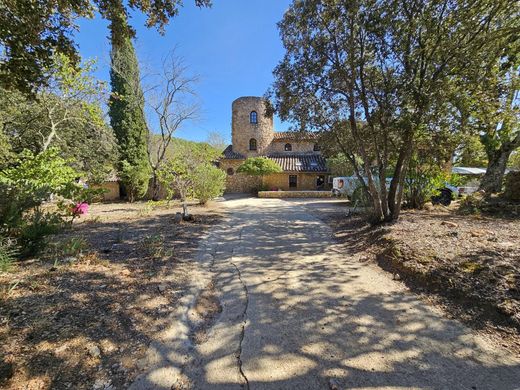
(297, 312)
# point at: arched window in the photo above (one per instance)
(288, 147)
(230, 172)
(252, 144)
(316, 147)
(253, 117)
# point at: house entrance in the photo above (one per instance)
(320, 182)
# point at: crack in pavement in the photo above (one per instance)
(244, 321)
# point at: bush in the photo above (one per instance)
(34, 231)
(8, 254)
(135, 179)
(360, 197)
(512, 186)
(24, 187)
(208, 182)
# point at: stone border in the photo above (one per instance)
(295, 194)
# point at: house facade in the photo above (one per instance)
(253, 135)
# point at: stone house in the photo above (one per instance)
(253, 135)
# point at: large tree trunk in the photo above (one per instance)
(494, 176)
(155, 186)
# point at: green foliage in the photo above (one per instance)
(73, 246)
(340, 165)
(24, 187)
(65, 114)
(126, 110)
(259, 166)
(209, 182)
(383, 74)
(472, 153)
(8, 254)
(30, 182)
(31, 32)
(514, 160)
(183, 173)
(135, 179)
(424, 179)
(360, 197)
(34, 230)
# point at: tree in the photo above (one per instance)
(379, 73)
(32, 32)
(259, 166)
(65, 114)
(126, 107)
(216, 140)
(171, 102)
(498, 120)
(514, 161)
(471, 152)
(181, 174)
(208, 182)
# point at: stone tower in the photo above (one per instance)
(251, 130)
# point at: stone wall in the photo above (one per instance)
(295, 194)
(297, 146)
(111, 189)
(238, 182)
(242, 131)
(305, 181)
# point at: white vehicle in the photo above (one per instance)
(346, 185)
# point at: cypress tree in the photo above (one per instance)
(126, 106)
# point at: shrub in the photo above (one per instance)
(208, 182)
(24, 187)
(135, 179)
(360, 197)
(8, 254)
(35, 229)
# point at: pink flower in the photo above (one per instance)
(80, 208)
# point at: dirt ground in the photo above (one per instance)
(81, 316)
(467, 265)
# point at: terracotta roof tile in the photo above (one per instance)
(300, 162)
(229, 154)
(294, 135)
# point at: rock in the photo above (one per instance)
(94, 351)
(126, 272)
(177, 218)
(161, 288)
(102, 384)
(428, 206)
(480, 233)
(449, 224)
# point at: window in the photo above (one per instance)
(293, 181)
(230, 172)
(316, 147)
(253, 117)
(288, 147)
(252, 144)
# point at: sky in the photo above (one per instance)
(232, 47)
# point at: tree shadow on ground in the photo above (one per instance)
(315, 317)
(114, 298)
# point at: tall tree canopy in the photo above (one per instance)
(126, 107)
(32, 31)
(381, 73)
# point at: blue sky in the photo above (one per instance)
(232, 47)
